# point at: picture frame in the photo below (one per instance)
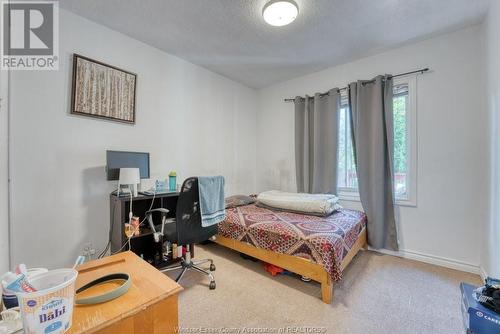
(103, 91)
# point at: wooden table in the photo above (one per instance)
(150, 306)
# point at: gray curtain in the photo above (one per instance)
(372, 130)
(316, 139)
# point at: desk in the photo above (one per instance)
(150, 305)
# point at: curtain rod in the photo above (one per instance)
(421, 71)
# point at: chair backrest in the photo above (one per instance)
(188, 215)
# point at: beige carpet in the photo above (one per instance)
(378, 294)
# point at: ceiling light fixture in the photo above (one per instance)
(280, 12)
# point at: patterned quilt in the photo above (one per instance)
(324, 240)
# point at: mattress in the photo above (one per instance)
(324, 240)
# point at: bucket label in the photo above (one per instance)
(53, 327)
(51, 310)
(52, 315)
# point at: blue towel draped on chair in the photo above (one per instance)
(212, 204)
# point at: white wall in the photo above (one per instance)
(190, 120)
(4, 199)
(491, 251)
(453, 145)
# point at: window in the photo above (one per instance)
(404, 116)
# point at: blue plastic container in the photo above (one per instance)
(10, 301)
(477, 318)
(172, 181)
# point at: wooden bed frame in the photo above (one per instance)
(296, 264)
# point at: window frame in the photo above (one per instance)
(352, 194)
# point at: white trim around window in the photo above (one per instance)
(349, 194)
(412, 147)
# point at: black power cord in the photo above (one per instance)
(108, 245)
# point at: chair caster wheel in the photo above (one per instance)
(212, 267)
(212, 285)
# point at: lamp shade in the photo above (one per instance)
(129, 176)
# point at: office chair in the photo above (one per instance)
(187, 230)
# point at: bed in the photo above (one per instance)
(316, 247)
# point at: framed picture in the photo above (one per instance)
(103, 91)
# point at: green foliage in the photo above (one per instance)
(346, 163)
(400, 154)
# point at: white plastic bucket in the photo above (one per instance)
(32, 272)
(50, 308)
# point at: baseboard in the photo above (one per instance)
(436, 260)
(483, 273)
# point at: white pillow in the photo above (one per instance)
(323, 204)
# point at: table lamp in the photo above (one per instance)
(131, 178)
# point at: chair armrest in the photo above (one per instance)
(169, 221)
(162, 210)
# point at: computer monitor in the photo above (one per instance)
(120, 159)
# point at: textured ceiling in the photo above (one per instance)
(231, 38)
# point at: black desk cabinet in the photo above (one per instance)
(143, 244)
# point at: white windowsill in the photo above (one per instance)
(354, 197)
